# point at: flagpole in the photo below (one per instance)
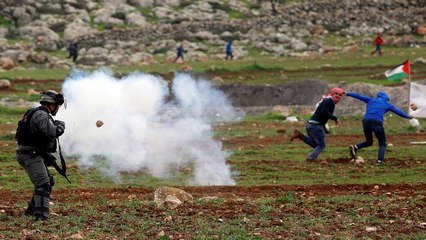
(409, 84)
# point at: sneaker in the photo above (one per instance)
(379, 162)
(352, 151)
(310, 160)
(296, 134)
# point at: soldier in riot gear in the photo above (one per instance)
(36, 138)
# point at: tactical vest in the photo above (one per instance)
(25, 137)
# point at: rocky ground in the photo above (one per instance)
(238, 202)
(119, 32)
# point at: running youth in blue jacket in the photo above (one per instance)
(373, 122)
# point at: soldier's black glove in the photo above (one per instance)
(60, 127)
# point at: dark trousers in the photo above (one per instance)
(371, 126)
(315, 139)
(229, 55)
(73, 55)
(43, 182)
(378, 49)
(178, 56)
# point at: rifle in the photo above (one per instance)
(63, 170)
(50, 160)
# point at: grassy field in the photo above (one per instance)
(277, 194)
(263, 69)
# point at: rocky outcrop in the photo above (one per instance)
(157, 27)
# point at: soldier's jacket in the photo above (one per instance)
(42, 126)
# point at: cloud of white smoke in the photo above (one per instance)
(145, 127)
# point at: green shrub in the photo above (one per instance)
(5, 23)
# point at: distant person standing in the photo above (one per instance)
(229, 52)
(179, 53)
(73, 51)
(378, 41)
(373, 122)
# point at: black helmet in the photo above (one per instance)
(51, 96)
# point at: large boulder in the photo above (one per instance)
(23, 15)
(6, 63)
(135, 18)
(76, 29)
(43, 37)
(4, 84)
(171, 197)
(421, 30)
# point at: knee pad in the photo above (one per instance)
(41, 201)
(44, 188)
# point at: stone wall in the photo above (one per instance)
(303, 95)
(348, 17)
(298, 28)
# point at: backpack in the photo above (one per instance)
(23, 133)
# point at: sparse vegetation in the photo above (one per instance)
(277, 194)
(5, 23)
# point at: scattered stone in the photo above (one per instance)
(76, 236)
(291, 119)
(371, 229)
(217, 79)
(31, 91)
(359, 160)
(4, 84)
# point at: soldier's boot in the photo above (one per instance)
(30, 209)
(41, 202)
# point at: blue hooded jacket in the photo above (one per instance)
(377, 107)
(229, 47)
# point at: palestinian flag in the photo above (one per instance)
(400, 72)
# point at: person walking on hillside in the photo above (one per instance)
(179, 53)
(315, 127)
(36, 138)
(378, 41)
(373, 122)
(73, 51)
(229, 52)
